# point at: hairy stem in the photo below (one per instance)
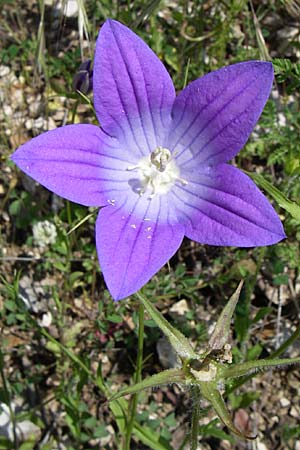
(137, 378)
(195, 417)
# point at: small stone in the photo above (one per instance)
(287, 32)
(29, 124)
(294, 412)
(284, 402)
(8, 111)
(261, 446)
(275, 94)
(46, 320)
(17, 98)
(38, 123)
(27, 294)
(34, 109)
(50, 124)
(69, 8)
(33, 295)
(59, 115)
(5, 216)
(179, 308)
(24, 430)
(4, 71)
(281, 120)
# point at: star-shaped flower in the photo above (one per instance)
(157, 167)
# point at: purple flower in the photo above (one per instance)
(158, 166)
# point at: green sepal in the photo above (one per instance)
(178, 341)
(159, 379)
(211, 393)
(221, 331)
(248, 367)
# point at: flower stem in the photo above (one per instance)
(137, 378)
(195, 417)
(74, 110)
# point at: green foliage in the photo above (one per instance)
(212, 429)
(22, 50)
(287, 72)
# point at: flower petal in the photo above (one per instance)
(222, 206)
(77, 162)
(133, 92)
(214, 115)
(131, 249)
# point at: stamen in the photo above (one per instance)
(182, 181)
(132, 167)
(158, 172)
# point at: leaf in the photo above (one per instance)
(291, 207)
(165, 377)
(149, 438)
(212, 430)
(263, 49)
(81, 222)
(178, 341)
(214, 397)
(248, 367)
(263, 311)
(115, 318)
(220, 334)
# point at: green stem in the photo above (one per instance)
(243, 307)
(137, 379)
(71, 238)
(74, 110)
(195, 417)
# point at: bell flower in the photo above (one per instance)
(158, 167)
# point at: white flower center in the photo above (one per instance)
(157, 172)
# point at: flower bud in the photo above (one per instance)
(83, 79)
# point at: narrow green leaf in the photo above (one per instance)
(214, 397)
(146, 12)
(220, 334)
(263, 49)
(165, 377)
(291, 207)
(148, 437)
(248, 367)
(178, 341)
(81, 222)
